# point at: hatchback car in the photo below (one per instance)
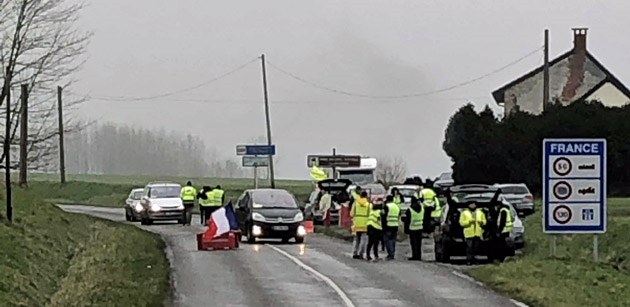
(449, 235)
(133, 208)
(162, 202)
(337, 189)
(270, 213)
(519, 196)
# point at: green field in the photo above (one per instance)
(572, 278)
(112, 190)
(52, 258)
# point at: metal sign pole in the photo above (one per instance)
(553, 246)
(256, 176)
(595, 251)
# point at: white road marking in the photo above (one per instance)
(466, 277)
(346, 300)
(519, 304)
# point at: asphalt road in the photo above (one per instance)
(320, 272)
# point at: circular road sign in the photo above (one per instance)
(562, 214)
(562, 166)
(562, 190)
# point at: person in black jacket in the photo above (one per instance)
(202, 211)
(415, 234)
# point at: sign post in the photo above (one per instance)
(574, 187)
(255, 162)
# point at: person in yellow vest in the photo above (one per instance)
(205, 202)
(472, 219)
(188, 195)
(505, 221)
(218, 198)
(398, 198)
(374, 231)
(390, 219)
(431, 202)
(360, 212)
(414, 223)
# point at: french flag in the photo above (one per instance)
(221, 221)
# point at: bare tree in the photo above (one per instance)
(39, 47)
(391, 170)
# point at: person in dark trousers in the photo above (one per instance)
(188, 195)
(390, 220)
(374, 230)
(414, 223)
(505, 222)
(204, 198)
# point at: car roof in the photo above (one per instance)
(266, 191)
(137, 190)
(510, 185)
(404, 186)
(163, 184)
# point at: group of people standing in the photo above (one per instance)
(380, 222)
(209, 199)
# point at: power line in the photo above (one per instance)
(187, 89)
(348, 93)
(244, 101)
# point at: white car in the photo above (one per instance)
(161, 201)
(133, 208)
(443, 182)
(407, 191)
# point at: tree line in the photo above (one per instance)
(123, 150)
(488, 149)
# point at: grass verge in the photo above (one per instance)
(52, 258)
(572, 278)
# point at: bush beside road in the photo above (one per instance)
(49, 257)
(572, 278)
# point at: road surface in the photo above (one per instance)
(320, 272)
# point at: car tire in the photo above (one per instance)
(128, 218)
(250, 238)
(299, 240)
(285, 240)
(143, 221)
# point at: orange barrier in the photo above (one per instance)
(309, 226)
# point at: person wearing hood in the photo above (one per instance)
(360, 212)
(205, 202)
(414, 223)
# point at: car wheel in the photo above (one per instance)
(285, 240)
(143, 221)
(299, 240)
(127, 216)
(250, 238)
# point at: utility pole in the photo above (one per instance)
(23, 181)
(7, 149)
(264, 75)
(334, 169)
(62, 155)
(546, 73)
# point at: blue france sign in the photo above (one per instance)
(256, 150)
(574, 185)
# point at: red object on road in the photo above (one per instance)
(308, 226)
(327, 219)
(228, 240)
(345, 220)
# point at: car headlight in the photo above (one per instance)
(301, 231)
(139, 208)
(155, 208)
(256, 230)
(298, 217)
(258, 217)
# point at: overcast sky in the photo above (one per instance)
(375, 48)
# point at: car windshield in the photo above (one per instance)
(466, 196)
(357, 177)
(274, 199)
(514, 189)
(408, 192)
(165, 192)
(137, 195)
(374, 189)
(445, 176)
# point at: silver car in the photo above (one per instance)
(161, 201)
(133, 208)
(407, 191)
(519, 196)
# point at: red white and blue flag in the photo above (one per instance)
(221, 221)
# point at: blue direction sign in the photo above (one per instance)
(255, 150)
(574, 185)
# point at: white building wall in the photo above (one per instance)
(610, 96)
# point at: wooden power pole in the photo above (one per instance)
(7, 151)
(23, 181)
(271, 171)
(546, 73)
(62, 154)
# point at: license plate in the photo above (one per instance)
(280, 227)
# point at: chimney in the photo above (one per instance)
(579, 39)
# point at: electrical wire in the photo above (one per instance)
(184, 90)
(348, 93)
